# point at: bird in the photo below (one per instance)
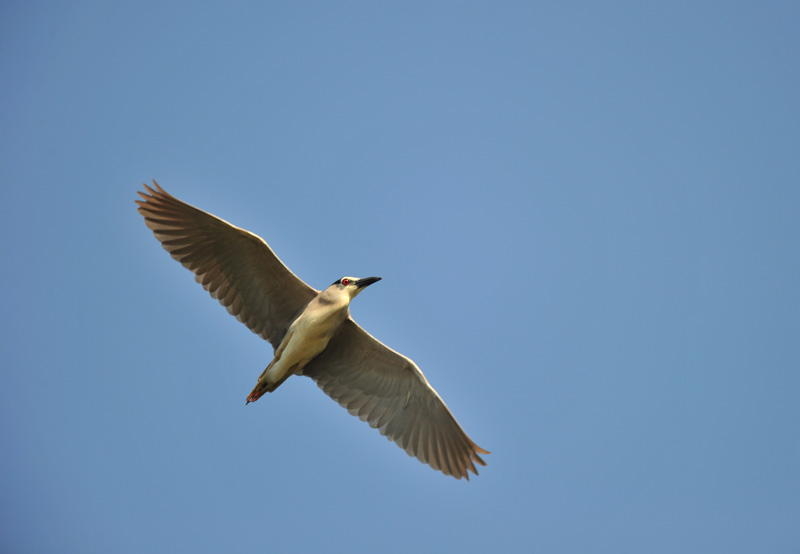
(312, 333)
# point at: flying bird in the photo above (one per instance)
(312, 333)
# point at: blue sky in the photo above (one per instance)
(586, 217)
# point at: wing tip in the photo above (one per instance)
(150, 192)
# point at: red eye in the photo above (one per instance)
(345, 282)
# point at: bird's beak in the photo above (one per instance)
(366, 281)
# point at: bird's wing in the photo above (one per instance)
(388, 391)
(235, 266)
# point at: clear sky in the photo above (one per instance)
(586, 217)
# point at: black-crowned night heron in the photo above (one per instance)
(312, 333)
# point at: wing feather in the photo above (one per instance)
(235, 266)
(388, 391)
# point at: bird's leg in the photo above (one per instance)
(264, 386)
(261, 387)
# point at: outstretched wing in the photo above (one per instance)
(235, 266)
(388, 391)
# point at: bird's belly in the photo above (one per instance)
(302, 349)
(307, 338)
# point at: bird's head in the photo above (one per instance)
(353, 285)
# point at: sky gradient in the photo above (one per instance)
(586, 217)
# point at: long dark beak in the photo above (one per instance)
(367, 281)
